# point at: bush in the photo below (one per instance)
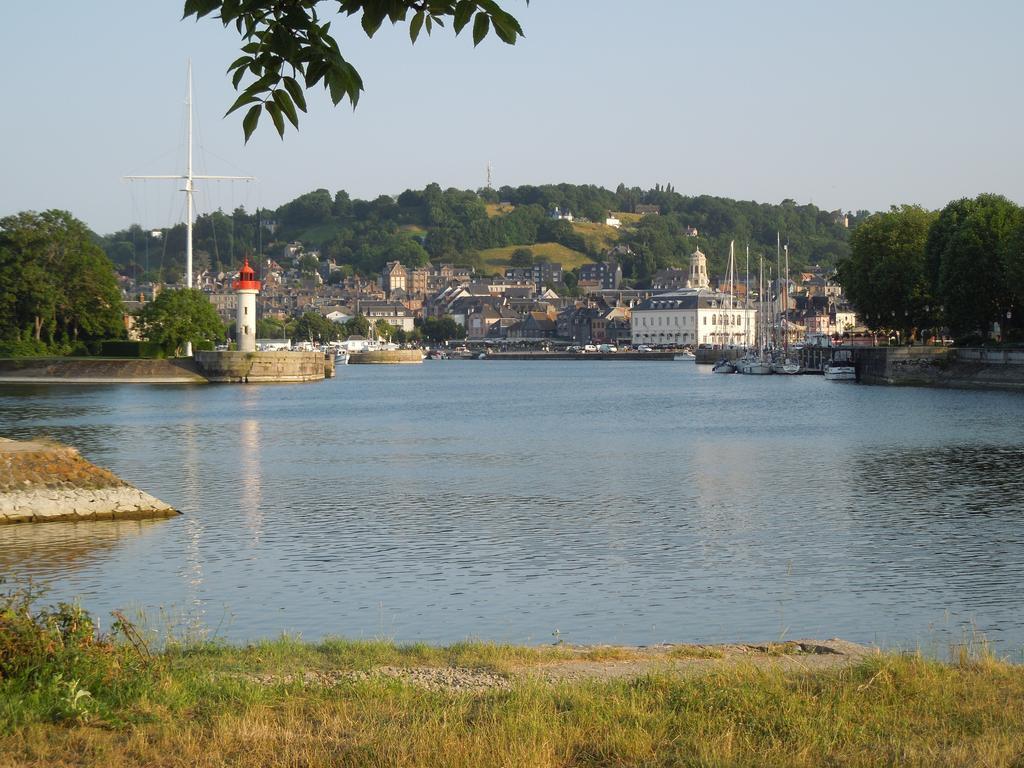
(24, 348)
(55, 666)
(119, 348)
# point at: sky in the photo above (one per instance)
(845, 105)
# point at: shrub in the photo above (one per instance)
(54, 665)
(119, 348)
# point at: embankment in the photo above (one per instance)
(43, 482)
(963, 368)
(63, 370)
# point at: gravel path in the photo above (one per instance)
(623, 663)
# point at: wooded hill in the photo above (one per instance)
(480, 229)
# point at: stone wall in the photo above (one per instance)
(89, 371)
(42, 482)
(941, 367)
(386, 356)
(256, 367)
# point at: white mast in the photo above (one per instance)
(746, 301)
(785, 323)
(189, 179)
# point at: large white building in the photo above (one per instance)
(694, 315)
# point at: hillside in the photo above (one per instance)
(452, 225)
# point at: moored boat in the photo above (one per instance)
(839, 371)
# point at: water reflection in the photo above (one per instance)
(61, 549)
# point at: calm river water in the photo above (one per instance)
(616, 502)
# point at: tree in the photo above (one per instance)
(55, 280)
(442, 329)
(177, 317)
(285, 42)
(967, 249)
(884, 276)
(521, 257)
(357, 326)
(315, 327)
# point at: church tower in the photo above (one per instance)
(698, 271)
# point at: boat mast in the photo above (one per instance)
(188, 184)
(785, 323)
(746, 302)
(189, 179)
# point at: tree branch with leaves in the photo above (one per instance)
(288, 49)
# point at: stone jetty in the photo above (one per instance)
(46, 482)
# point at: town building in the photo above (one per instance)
(694, 315)
(606, 274)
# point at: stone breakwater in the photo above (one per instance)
(42, 482)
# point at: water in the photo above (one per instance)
(520, 501)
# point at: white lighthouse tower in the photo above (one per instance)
(246, 286)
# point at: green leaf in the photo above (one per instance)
(250, 121)
(248, 97)
(371, 23)
(276, 116)
(296, 92)
(415, 25)
(284, 101)
(463, 13)
(481, 25)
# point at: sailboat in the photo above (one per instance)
(785, 364)
(725, 365)
(758, 363)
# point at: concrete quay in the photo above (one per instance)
(264, 367)
(575, 356)
(44, 482)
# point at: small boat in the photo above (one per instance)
(789, 367)
(341, 357)
(684, 355)
(835, 370)
(754, 366)
(724, 366)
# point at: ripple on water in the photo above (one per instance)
(617, 502)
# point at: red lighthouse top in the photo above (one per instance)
(246, 279)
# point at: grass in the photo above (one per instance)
(498, 209)
(70, 699)
(496, 259)
(598, 236)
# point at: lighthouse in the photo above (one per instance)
(246, 286)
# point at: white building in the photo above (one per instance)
(693, 316)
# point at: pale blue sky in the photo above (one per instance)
(856, 105)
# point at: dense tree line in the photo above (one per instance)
(57, 287)
(435, 224)
(961, 268)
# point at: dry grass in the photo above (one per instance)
(695, 652)
(496, 259)
(498, 209)
(599, 237)
(900, 710)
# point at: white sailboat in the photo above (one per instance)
(757, 362)
(785, 364)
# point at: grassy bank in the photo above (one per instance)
(80, 701)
